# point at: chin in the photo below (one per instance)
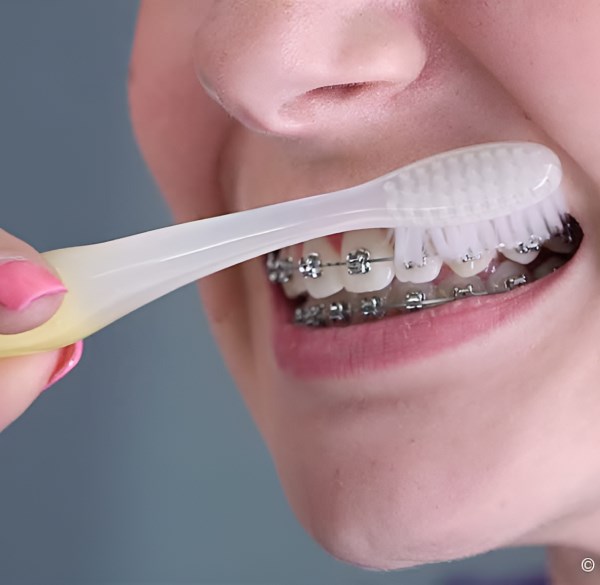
(382, 485)
(381, 507)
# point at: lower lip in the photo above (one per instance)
(338, 352)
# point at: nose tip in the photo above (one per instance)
(327, 69)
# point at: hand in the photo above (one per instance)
(30, 293)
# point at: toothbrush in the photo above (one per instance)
(462, 202)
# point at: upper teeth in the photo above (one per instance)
(469, 266)
(424, 271)
(359, 248)
(316, 253)
(368, 262)
(523, 252)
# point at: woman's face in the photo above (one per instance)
(416, 438)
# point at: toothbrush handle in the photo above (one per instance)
(109, 280)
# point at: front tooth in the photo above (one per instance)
(519, 255)
(548, 266)
(376, 275)
(472, 266)
(497, 282)
(457, 286)
(426, 272)
(331, 279)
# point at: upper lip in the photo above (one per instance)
(312, 170)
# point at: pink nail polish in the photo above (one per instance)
(68, 360)
(22, 282)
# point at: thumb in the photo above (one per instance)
(30, 293)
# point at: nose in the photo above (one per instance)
(307, 65)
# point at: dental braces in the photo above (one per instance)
(359, 261)
(372, 307)
(375, 307)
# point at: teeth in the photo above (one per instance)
(372, 307)
(400, 290)
(330, 279)
(313, 315)
(508, 275)
(560, 244)
(296, 285)
(339, 307)
(357, 284)
(523, 253)
(455, 286)
(411, 294)
(548, 266)
(427, 271)
(339, 311)
(358, 248)
(472, 265)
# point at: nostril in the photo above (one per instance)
(333, 101)
(340, 91)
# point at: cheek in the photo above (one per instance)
(179, 129)
(182, 134)
(545, 53)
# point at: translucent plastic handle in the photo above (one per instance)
(109, 280)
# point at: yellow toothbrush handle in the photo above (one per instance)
(69, 324)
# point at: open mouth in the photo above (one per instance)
(320, 334)
(355, 278)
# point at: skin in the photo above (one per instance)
(490, 444)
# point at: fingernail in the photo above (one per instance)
(68, 360)
(22, 282)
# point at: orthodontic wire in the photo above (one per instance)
(377, 307)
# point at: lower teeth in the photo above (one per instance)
(364, 308)
(371, 307)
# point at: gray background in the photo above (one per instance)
(142, 465)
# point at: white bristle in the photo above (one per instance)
(503, 232)
(451, 242)
(487, 235)
(455, 241)
(390, 236)
(410, 243)
(438, 242)
(554, 208)
(536, 222)
(471, 237)
(518, 224)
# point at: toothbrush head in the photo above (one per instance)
(464, 202)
